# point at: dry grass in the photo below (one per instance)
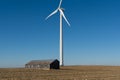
(65, 73)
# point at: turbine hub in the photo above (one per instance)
(62, 9)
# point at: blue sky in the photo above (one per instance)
(92, 39)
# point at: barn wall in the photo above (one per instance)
(55, 65)
(43, 65)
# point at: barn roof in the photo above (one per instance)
(41, 61)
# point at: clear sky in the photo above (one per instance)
(92, 39)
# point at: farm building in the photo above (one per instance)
(43, 64)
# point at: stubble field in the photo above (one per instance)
(65, 73)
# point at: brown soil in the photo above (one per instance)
(65, 73)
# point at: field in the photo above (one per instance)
(65, 73)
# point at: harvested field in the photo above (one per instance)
(65, 73)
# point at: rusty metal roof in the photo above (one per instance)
(41, 61)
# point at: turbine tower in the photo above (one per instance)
(61, 11)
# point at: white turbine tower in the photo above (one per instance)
(61, 10)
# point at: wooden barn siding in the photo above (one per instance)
(38, 66)
(43, 65)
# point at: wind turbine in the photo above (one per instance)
(61, 11)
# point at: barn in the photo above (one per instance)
(43, 64)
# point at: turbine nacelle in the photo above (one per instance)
(62, 9)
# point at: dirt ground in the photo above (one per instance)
(65, 73)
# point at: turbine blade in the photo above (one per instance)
(51, 14)
(60, 3)
(64, 16)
